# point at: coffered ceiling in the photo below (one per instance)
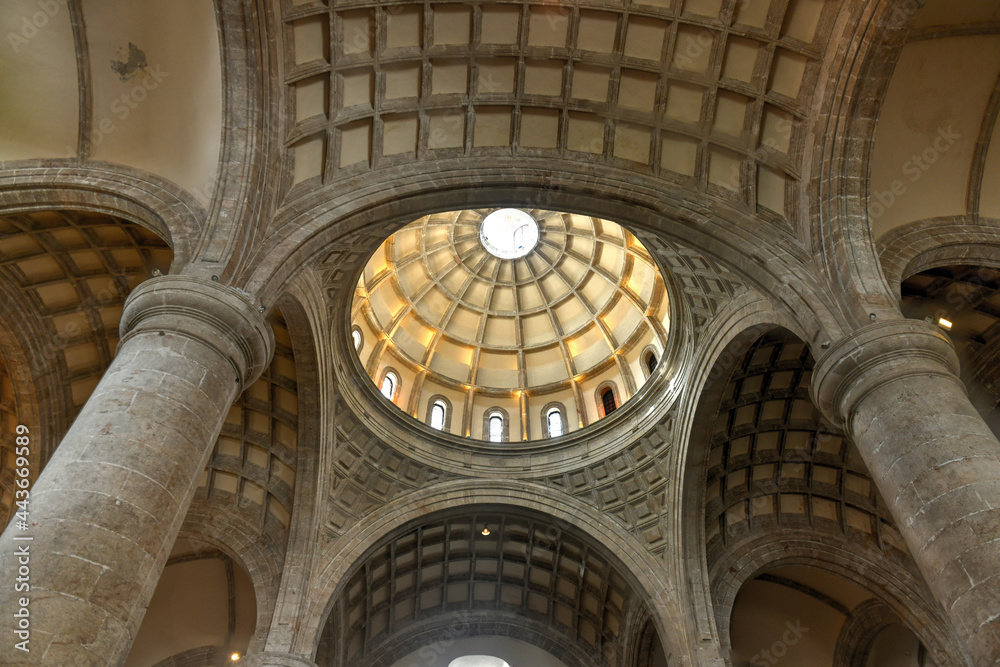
(704, 92)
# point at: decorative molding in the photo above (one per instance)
(876, 355)
(220, 317)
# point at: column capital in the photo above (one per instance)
(875, 355)
(221, 317)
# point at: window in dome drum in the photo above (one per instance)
(555, 423)
(437, 416)
(389, 385)
(608, 398)
(496, 428)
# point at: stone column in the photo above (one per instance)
(894, 389)
(105, 511)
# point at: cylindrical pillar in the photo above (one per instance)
(104, 513)
(894, 388)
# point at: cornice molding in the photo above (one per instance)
(877, 355)
(217, 316)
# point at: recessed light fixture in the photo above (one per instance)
(486, 531)
(234, 657)
(946, 324)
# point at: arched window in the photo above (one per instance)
(389, 385)
(554, 419)
(496, 427)
(438, 411)
(608, 401)
(438, 415)
(650, 358)
(356, 337)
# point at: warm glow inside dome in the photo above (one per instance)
(510, 325)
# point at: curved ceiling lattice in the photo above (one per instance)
(578, 313)
(64, 276)
(776, 465)
(538, 574)
(693, 91)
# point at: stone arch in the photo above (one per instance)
(856, 637)
(356, 218)
(735, 327)
(305, 313)
(341, 556)
(139, 197)
(232, 534)
(895, 585)
(851, 102)
(927, 244)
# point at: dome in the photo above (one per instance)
(510, 325)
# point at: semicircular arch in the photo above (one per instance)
(343, 555)
(354, 221)
(143, 198)
(902, 590)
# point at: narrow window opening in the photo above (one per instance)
(496, 428)
(389, 385)
(608, 399)
(437, 416)
(356, 336)
(555, 421)
(651, 362)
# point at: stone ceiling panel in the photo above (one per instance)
(657, 87)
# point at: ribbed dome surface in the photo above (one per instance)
(580, 312)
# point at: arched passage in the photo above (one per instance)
(782, 488)
(203, 611)
(637, 572)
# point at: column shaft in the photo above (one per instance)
(895, 389)
(106, 510)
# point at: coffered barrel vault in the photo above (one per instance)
(697, 92)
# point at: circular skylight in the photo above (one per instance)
(509, 233)
(478, 661)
